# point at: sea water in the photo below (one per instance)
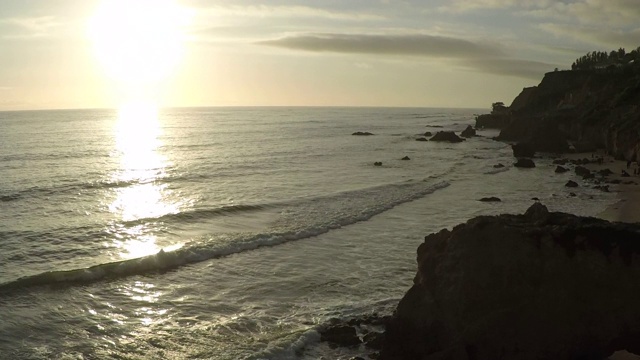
(232, 233)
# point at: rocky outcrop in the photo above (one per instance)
(468, 132)
(446, 136)
(541, 285)
(362, 133)
(493, 121)
(589, 108)
(523, 150)
(490, 199)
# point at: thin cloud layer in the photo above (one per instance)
(527, 69)
(410, 44)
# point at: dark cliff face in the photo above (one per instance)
(534, 286)
(596, 107)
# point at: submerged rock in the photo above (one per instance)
(405, 158)
(421, 139)
(377, 163)
(541, 285)
(490, 199)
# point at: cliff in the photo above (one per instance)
(535, 286)
(587, 108)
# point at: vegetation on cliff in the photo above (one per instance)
(603, 60)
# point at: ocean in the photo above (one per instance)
(232, 233)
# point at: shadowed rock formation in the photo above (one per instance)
(446, 136)
(536, 286)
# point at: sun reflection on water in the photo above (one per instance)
(142, 195)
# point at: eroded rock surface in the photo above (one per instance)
(535, 286)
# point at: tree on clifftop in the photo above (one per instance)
(498, 107)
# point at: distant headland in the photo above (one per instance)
(592, 106)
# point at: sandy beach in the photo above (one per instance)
(627, 208)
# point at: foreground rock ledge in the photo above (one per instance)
(535, 286)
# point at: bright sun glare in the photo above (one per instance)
(139, 42)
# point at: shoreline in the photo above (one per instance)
(627, 207)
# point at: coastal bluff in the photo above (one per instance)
(587, 109)
(542, 285)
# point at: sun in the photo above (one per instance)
(138, 42)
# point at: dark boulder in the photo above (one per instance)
(362, 133)
(604, 188)
(582, 171)
(446, 136)
(377, 163)
(498, 166)
(428, 133)
(421, 139)
(523, 150)
(605, 172)
(571, 183)
(490, 199)
(568, 289)
(560, 169)
(405, 158)
(342, 335)
(525, 163)
(468, 132)
(560, 161)
(625, 174)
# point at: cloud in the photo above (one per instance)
(527, 69)
(291, 11)
(406, 44)
(607, 38)
(26, 27)
(469, 5)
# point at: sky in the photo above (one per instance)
(429, 53)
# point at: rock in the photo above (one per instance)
(373, 340)
(342, 335)
(572, 194)
(468, 132)
(541, 285)
(571, 183)
(428, 133)
(490, 199)
(588, 176)
(405, 158)
(535, 199)
(582, 171)
(357, 358)
(362, 133)
(605, 172)
(421, 139)
(604, 188)
(560, 161)
(525, 163)
(523, 150)
(560, 169)
(625, 174)
(498, 166)
(377, 163)
(446, 136)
